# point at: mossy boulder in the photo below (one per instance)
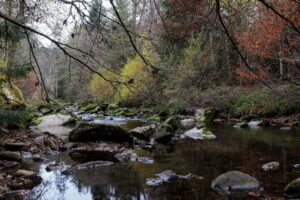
(125, 112)
(234, 182)
(292, 190)
(207, 115)
(89, 107)
(241, 125)
(143, 132)
(99, 132)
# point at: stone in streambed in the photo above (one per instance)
(10, 156)
(235, 182)
(271, 166)
(292, 190)
(99, 132)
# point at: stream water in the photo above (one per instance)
(245, 150)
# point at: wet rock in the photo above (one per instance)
(25, 173)
(99, 132)
(255, 123)
(168, 176)
(105, 153)
(50, 143)
(37, 158)
(125, 156)
(54, 166)
(235, 182)
(241, 125)
(14, 146)
(271, 166)
(188, 122)
(144, 160)
(287, 128)
(206, 115)
(143, 132)
(292, 190)
(163, 133)
(93, 164)
(10, 156)
(297, 166)
(199, 134)
(26, 155)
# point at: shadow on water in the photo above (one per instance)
(245, 150)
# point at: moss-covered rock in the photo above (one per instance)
(89, 107)
(153, 118)
(207, 115)
(292, 190)
(241, 125)
(99, 132)
(143, 132)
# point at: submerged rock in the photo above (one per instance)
(235, 182)
(241, 125)
(255, 123)
(199, 134)
(168, 176)
(128, 155)
(99, 132)
(10, 156)
(93, 164)
(271, 166)
(292, 190)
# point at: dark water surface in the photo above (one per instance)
(245, 150)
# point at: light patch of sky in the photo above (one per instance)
(53, 24)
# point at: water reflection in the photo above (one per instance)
(234, 149)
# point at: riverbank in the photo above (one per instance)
(145, 134)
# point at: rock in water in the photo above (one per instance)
(99, 132)
(206, 115)
(190, 122)
(271, 166)
(93, 164)
(199, 134)
(10, 156)
(143, 132)
(235, 182)
(292, 190)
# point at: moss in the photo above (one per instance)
(36, 121)
(153, 118)
(241, 125)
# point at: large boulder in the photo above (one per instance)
(292, 190)
(99, 132)
(54, 124)
(235, 182)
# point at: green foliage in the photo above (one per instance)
(280, 101)
(16, 71)
(102, 90)
(19, 118)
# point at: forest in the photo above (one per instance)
(149, 99)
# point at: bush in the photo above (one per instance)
(265, 102)
(103, 91)
(141, 81)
